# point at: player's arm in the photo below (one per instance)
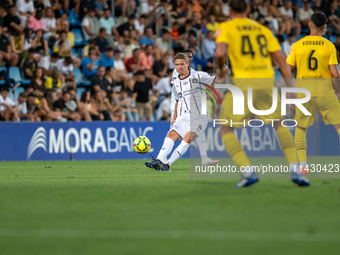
(286, 73)
(221, 59)
(175, 114)
(336, 81)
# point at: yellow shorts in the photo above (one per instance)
(262, 100)
(328, 107)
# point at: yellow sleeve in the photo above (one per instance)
(291, 59)
(273, 44)
(222, 34)
(58, 84)
(48, 83)
(56, 49)
(333, 59)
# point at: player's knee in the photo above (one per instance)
(224, 130)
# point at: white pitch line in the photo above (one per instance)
(199, 235)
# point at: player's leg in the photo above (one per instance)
(181, 149)
(232, 145)
(303, 122)
(287, 146)
(201, 143)
(167, 146)
(301, 147)
(237, 154)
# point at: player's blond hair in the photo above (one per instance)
(181, 56)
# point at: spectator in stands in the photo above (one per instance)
(25, 10)
(62, 37)
(90, 64)
(101, 41)
(17, 44)
(218, 11)
(118, 62)
(287, 45)
(63, 24)
(125, 28)
(107, 58)
(97, 107)
(35, 22)
(288, 14)
(48, 63)
(163, 43)
(140, 25)
(147, 38)
(40, 44)
(212, 24)
(191, 53)
(83, 6)
(254, 10)
(85, 103)
(121, 105)
(163, 86)
(30, 64)
(6, 52)
(333, 19)
(275, 11)
(127, 48)
(146, 58)
(62, 50)
(140, 95)
(91, 44)
(12, 22)
(90, 25)
(101, 6)
(39, 5)
(108, 22)
(83, 112)
(134, 42)
(49, 22)
(67, 107)
(53, 87)
(317, 6)
(111, 76)
(134, 63)
(100, 83)
(21, 102)
(303, 15)
(65, 65)
(8, 109)
(38, 82)
(208, 47)
(163, 110)
(160, 67)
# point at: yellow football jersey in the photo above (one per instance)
(249, 47)
(312, 56)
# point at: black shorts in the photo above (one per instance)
(1, 118)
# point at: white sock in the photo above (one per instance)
(294, 168)
(178, 152)
(202, 147)
(166, 149)
(248, 171)
(303, 164)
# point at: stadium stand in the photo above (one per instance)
(188, 22)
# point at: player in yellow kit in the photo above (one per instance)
(251, 48)
(316, 62)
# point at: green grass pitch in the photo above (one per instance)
(122, 207)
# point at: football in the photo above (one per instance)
(142, 144)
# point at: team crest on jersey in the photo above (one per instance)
(180, 95)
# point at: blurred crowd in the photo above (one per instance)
(77, 60)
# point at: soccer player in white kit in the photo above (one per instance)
(188, 121)
(201, 141)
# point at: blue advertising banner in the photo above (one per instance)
(114, 140)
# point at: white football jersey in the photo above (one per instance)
(175, 75)
(190, 93)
